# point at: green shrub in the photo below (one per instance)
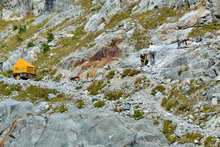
(15, 27)
(30, 44)
(50, 37)
(99, 104)
(130, 72)
(45, 47)
(156, 123)
(114, 95)
(210, 141)
(22, 28)
(138, 114)
(19, 38)
(110, 75)
(80, 104)
(96, 87)
(78, 87)
(63, 108)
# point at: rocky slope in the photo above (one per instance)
(116, 102)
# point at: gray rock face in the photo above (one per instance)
(89, 129)
(36, 7)
(145, 5)
(216, 8)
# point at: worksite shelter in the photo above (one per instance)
(23, 66)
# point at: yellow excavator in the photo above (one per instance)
(23, 70)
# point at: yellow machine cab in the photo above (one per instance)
(23, 70)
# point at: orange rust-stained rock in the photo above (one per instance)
(101, 58)
(107, 52)
(80, 62)
(92, 73)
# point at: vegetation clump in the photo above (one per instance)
(180, 101)
(96, 87)
(168, 130)
(6, 73)
(80, 104)
(99, 104)
(22, 28)
(190, 138)
(35, 94)
(114, 95)
(210, 141)
(63, 108)
(15, 27)
(201, 30)
(50, 37)
(57, 78)
(158, 88)
(142, 40)
(110, 75)
(138, 114)
(30, 44)
(130, 72)
(45, 47)
(7, 90)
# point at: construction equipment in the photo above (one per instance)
(23, 70)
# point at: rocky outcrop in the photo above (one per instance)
(214, 6)
(88, 129)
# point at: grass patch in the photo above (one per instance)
(168, 130)
(35, 94)
(57, 78)
(179, 101)
(201, 30)
(80, 104)
(190, 138)
(7, 90)
(158, 88)
(59, 98)
(129, 72)
(141, 83)
(6, 73)
(138, 114)
(195, 86)
(99, 104)
(153, 18)
(13, 42)
(61, 109)
(143, 40)
(114, 95)
(110, 75)
(30, 44)
(210, 141)
(96, 87)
